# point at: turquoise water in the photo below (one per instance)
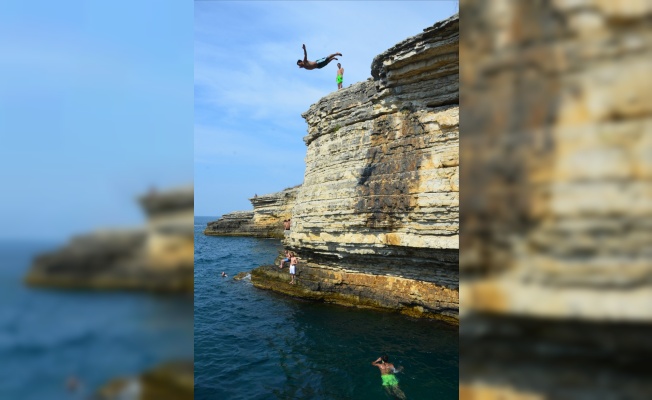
(47, 336)
(255, 344)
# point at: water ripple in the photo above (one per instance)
(255, 344)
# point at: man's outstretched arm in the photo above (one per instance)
(305, 54)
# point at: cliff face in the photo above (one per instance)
(376, 219)
(266, 220)
(557, 114)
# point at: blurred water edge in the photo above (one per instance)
(95, 108)
(48, 336)
(556, 149)
(257, 344)
(130, 344)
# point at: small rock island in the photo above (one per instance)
(158, 257)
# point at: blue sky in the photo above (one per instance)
(249, 93)
(96, 100)
(96, 106)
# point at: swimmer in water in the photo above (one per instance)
(224, 275)
(387, 371)
(73, 383)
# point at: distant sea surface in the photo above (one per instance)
(48, 335)
(254, 344)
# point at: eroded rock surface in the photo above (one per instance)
(266, 220)
(557, 122)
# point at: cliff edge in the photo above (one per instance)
(266, 219)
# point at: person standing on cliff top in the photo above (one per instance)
(340, 76)
(387, 371)
(321, 63)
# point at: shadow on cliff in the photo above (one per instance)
(386, 187)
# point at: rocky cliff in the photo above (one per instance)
(266, 220)
(557, 121)
(157, 257)
(376, 219)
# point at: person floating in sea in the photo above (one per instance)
(73, 384)
(387, 371)
(321, 63)
(224, 275)
(288, 255)
(340, 76)
(294, 260)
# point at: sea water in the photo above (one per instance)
(48, 335)
(256, 344)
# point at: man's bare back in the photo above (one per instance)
(385, 367)
(387, 371)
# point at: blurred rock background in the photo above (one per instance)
(157, 257)
(96, 106)
(556, 156)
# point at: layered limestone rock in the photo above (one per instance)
(376, 219)
(158, 257)
(170, 241)
(266, 220)
(557, 155)
(237, 223)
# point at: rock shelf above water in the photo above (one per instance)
(266, 219)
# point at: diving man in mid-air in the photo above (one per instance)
(321, 63)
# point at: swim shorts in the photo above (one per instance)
(292, 269)
(321, 63)
(389, 380)
(339, 79)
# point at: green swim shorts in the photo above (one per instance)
(389, 380)
(339, 79)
